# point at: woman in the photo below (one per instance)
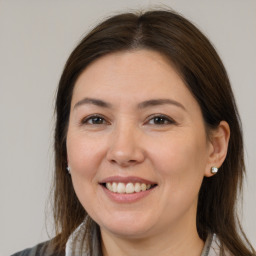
(148, 144)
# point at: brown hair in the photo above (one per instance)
(203, 73)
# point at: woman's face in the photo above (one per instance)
(136, 145)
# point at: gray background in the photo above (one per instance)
(36, 38)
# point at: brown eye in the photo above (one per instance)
(160, 120)
(94, 120)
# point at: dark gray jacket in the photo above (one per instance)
(42, 249)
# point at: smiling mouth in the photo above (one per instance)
(127, 188)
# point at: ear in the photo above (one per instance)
(219, 139)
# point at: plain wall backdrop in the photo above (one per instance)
(36, 38)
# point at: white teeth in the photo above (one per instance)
(128, 188)
(137, 187)
(120, 188)
(114, 187)
(143, 187)
(109, 186)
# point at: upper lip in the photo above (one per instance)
(132, 179)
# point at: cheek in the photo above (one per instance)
(83, 154)
(84, 157)
(180, 159)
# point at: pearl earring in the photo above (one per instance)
(68, 169)
(214, 170)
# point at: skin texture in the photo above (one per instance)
(127, 139)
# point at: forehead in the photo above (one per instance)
(142, 65)
(137, 75)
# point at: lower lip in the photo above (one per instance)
(127, 198)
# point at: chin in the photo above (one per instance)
(127, 226)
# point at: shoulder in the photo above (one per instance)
(42, 249)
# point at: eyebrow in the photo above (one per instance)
(92, 101)
(156, 102)
(144, 104)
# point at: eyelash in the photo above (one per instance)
(163, 119)
(93, 117)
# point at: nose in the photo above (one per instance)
(125, 148)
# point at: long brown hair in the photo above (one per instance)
(204, 74)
